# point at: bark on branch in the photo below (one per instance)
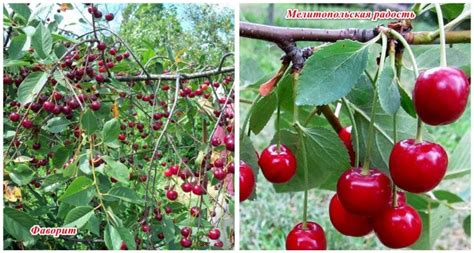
(173, 77)
(289, 34)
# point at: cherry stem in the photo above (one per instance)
(278, 124)
(394, 196)
(354, 132)
(405, 44)
(295, 85)
(442, 37)
(299, 128)
(419, 131)
(366, 166)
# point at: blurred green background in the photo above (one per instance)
(265, 221)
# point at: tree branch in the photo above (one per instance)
(288, 34)
(173, 77)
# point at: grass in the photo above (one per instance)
(266, 220)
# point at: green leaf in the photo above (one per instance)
(61, 156)
(457, 56)
(125, 194)
(56, 125)
(79, 193)
(16, 45)
(460, 160)
(113, 237)
(93, 225)
(447, 196)
(406, 101)
(326, 157)
(60, 50)
(21, 9)
(18, 224)
(387, 85)
(330, 72)
(262, 112)
(116, 169)
(434, 221)
(248, 154)
(466, 224)
(22, 174)
(78, 216)
(110, 133)
(31, 86)
(89, 122)
(42, 42)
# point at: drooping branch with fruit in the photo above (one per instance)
(133, 156)
(384, 173)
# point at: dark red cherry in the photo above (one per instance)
(218, 244)
(215, 141)
(310, 238)
(278, 166)
(219, 173)
(440, 95)
(214, 234)
(121, 137)
(95, 105)
(186, 231)
(123, 246)
(146, 228)
(48, 106)
(26, 123)
(186, 242)
(365, 195)
(14, 117)
(417, 167)
(109, 16)
(172, 195)
(195, 211)
(346, 137)
(247, 181)
(398, 227)
(229, 142)
(346, 222)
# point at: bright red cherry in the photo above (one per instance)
(247, 181)
(215, 141)
(121, 137)
(218, 244)
(187, 187)
(346, 222)
(186, 242)
(310, 238)
(174, 169)
(346, 137)
(95, 105)
(365, 195)
(214, 234)
(101, 46)
(172, 195)
(398, 227)
(277, 166)
(14, 117)
(198, 190)
(186, 231)
(441, 95)
(167, 173)
(417, 167)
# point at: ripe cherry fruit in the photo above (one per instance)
(346, 137)
(95, 105)
(398, 227)
(310, 238)
(214, 233)
(186, 242)
(365, 195)
(417, 167)
(172, 195)
(14, 117)
(346, 222)
(278, 166)
(246, 181)
(186, 231)
(440, 95)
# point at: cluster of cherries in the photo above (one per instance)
(364, 200)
